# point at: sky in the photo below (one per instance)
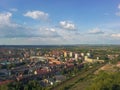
(59, 22)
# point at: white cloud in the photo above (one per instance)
(8, 29)
(5, 18)
(22, 34)
(117, 35)
(46, 32)
(37, 15)
(67, 25)
(27, 32)
(50, 29)
(96, 31)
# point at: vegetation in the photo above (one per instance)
(76, 77)
(105, 81)
(31, 85)
(68, 84)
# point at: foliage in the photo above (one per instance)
(106, 81)
(31, 85)
(3, 87)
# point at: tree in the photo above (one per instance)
(106, 81)
(3, 87)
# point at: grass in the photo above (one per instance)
(79, 82)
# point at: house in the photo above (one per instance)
(5, 82)
(70, 65)
(60, 78)
(41, 71)
(48, 82)
(118, 64)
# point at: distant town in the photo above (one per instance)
(51, 66)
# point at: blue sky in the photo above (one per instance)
(41, 22)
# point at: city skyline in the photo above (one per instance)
(54, 22)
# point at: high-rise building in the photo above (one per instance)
(82, 54)
(65, 54)
(88, 54)
(71, 54)
(76, 56)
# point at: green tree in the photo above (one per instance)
(106, 81)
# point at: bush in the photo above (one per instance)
(105, 81)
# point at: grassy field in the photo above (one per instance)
(79, 82)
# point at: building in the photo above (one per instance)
(88, 54)
(88, 59)
(76, 56)
(93, 60)
(65, 54)
(38, 58)
(82, 54)
(71, 54)
(60, 78)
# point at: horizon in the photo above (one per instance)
(63, 45)
(51, 22)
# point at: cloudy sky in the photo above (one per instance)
(43, 22)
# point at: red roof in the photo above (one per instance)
(5, 82)
(70, 65)
(42, 71)
(70, 61)
(118, 63)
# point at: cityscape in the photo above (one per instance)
(50, 67)
(59, 44)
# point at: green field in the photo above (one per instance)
(79, 82)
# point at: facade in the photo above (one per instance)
(76, 56)
(65, 54)
(93, 60)
(82, 54)
(71, 54)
